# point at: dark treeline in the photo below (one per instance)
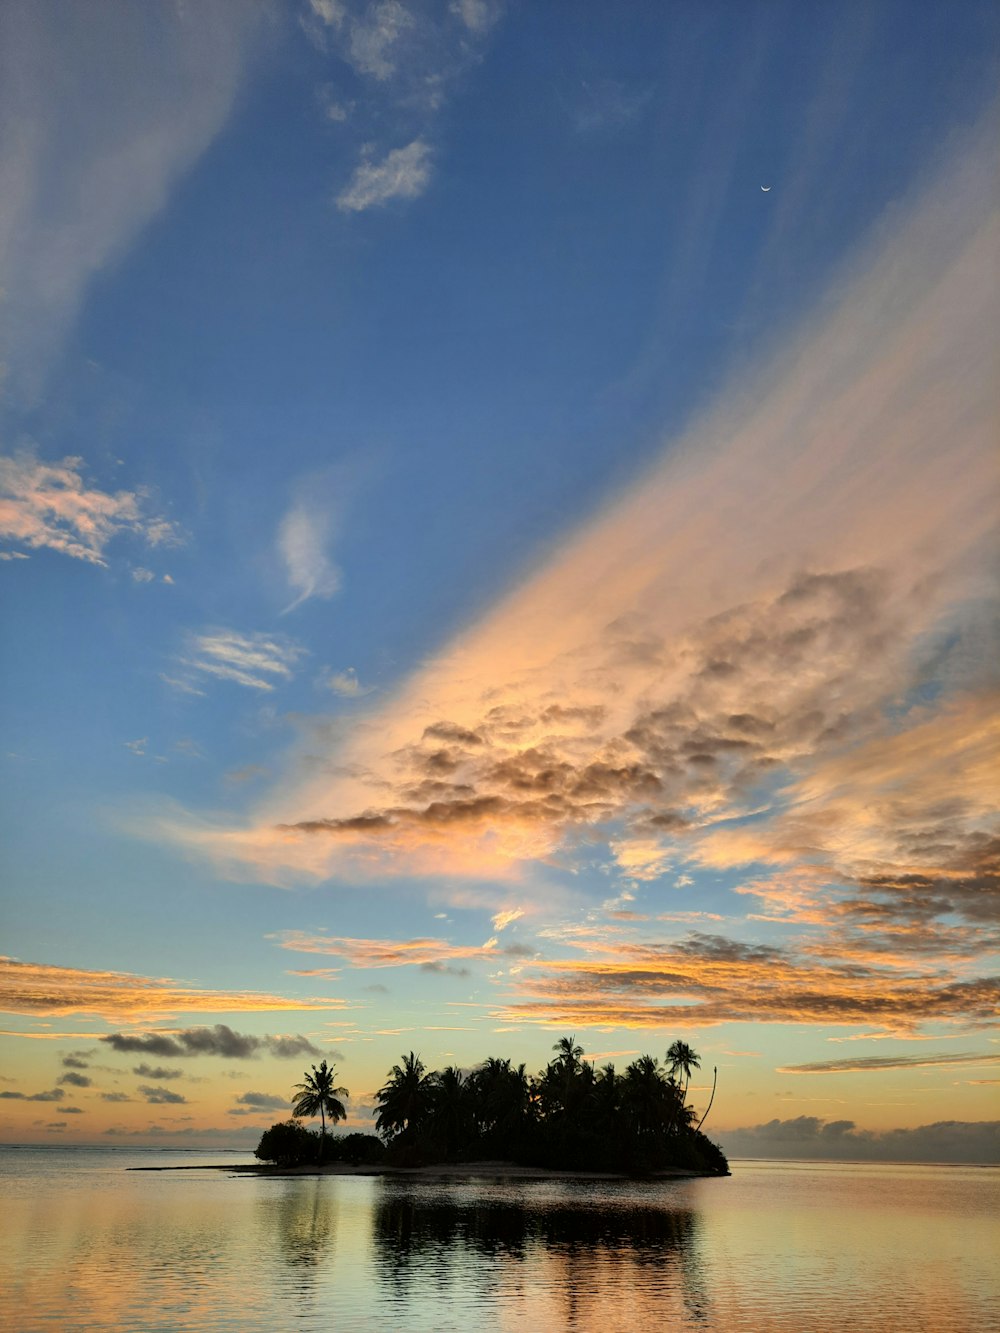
(569, 1116)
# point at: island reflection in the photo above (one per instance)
(571, 1259)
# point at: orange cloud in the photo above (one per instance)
(50, 505)
(44, 989)
(713, 632)
(706, 979)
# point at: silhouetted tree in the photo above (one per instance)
(568, 1115)
(681, 1057)
(501, 1104)
(318, 1095)
(450, 1111)
(288, 1144)
(405, 1100)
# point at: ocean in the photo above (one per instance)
(779, 1246)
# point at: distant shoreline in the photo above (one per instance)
(440, 1170)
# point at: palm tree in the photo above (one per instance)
(450, 1114)
(645, 1098)
(317, 1095)
(715, 1079)
(681, 1057)
(570, 1054)
(404, 1101)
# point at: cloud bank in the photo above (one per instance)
(953, 1141)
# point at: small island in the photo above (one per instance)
(570, 1118)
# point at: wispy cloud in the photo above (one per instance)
(142, 94)
(877, 1063)
(303, 536)
(257, 661)
(429, 954)
(403, 173)
(343, 683)
(406, 59)
(50, 506)
(44, 989)
(603, 105)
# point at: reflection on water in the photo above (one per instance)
(580, 1256)
(777, 1248)
(303, 1222)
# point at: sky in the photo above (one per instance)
(498, 541)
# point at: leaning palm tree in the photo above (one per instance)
(317, 1095)
(715, 1079)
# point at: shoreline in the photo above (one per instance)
(497, 1170)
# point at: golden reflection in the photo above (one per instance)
(301, 1223)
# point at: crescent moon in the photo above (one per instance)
(765, 188)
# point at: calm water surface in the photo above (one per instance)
(795, 1248)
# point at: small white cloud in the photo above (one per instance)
(477, 15)
(140, 575)
(344, 683)
(167, 579)
(682, 881)
(13, 555)
(139, 746)
(302, 538)
(403, 174)
(503, 919)
(247, 659)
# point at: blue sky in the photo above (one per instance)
(495, 507)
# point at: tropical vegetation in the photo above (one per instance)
(317, 1094)
(569, 1116)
